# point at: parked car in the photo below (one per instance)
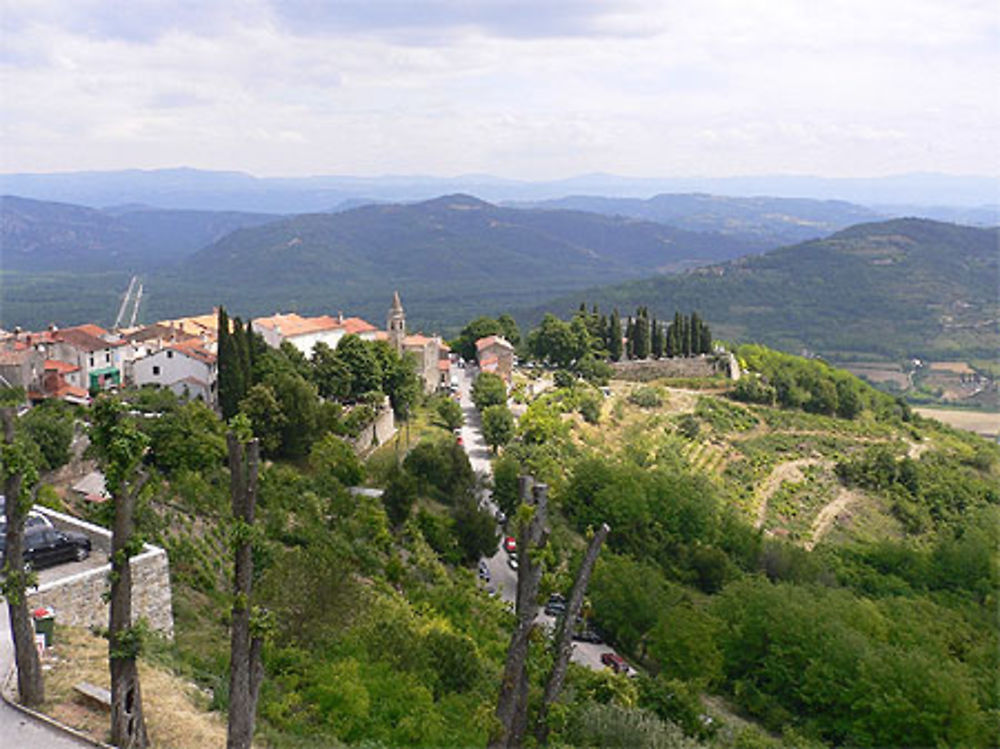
(512, 562)
(586, 634)
(45, 546)
(484, 571)
(615, 662)
(556, 605)
(33, 520)
(510, 544)
(501, 518)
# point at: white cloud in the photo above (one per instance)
(541, 89)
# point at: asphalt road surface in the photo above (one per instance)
(502, 578)
(17, 730)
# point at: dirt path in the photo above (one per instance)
(827, 516)
(790, 471)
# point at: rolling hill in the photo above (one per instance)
(45, 236)
(450, 256)
(772, 221)
(888, 290)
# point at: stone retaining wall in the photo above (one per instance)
(78, 599)
(644, 370)
(377, 432)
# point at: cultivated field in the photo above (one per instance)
(984, 423)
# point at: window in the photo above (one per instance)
(91, 361)
(156, 371)
(170, 354)
(107, 357)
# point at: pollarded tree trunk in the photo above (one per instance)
(30, 687)
(128, 726)
(564, 636)
(245, 670)
(512, 704)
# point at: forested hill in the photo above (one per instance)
(906, 287)
(775, 221)
(45, 236)
(450, 256)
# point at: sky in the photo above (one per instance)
(537, 89)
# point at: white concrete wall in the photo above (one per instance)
(173, 366)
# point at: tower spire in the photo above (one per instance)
(396, 323)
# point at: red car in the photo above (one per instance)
(615, 662)
(509, 544)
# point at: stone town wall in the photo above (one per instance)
(377, 432)
(645, 370)
(78, 599)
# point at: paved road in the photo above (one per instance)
(18, 731)
(502, 578)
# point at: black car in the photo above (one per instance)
(45, 547)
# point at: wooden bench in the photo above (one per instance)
(93, 696)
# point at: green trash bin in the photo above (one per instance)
(45, 623)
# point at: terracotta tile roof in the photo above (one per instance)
(292, 324)
(357, 326)
(444, 347)
(60, 366)
(66, 390)
(197, 324)
(489, 364)
(381, 335)
(81, 339)
(493, 340)
(195, 350)
(416, 340)
(95, 330)
(444, 365)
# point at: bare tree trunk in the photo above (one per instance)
(245, 670)
(564, 635)
(30, 688)
(128, 726)
(513, 701)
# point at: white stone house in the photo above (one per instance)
(305, 332)
(188, 369)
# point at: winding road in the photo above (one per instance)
(502, 577)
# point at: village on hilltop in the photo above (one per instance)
(75, 363)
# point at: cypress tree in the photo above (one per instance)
(685, 335)
(230, 377)
(695, 333)
(706, 339)
(642, 333)
(630, 338)
(657, 335)
(615, 336)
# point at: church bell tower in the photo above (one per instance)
(395, 324)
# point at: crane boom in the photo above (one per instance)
(135, 309)
(124, 305)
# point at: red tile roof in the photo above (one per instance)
(60, 366)
(416, 340)
(81, 339)
(444, 365)
(493, 340)
(357, 326)
(195, 350)
(292, 324)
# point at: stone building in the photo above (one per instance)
(426, 350)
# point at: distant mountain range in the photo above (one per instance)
(214, 190)
(773, 221)
(886, 289)
(44, 236)
(893, 289)
(450, 256)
